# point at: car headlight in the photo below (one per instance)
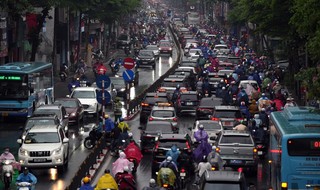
(57, 151)
(23, 152)
(73, 114)
(66, 128)
(23, 110)
(170, 48)
(152, 59)
(122, 89)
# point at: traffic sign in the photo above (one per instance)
(107, 97)
(128, 75)
(105, 79)
(128, 63)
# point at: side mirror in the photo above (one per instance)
(65, 140)
(19, 141)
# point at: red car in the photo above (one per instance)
(74, 109)
(165, 47)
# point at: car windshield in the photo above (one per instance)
(167, 143)
(221, 186)
(67, 103)
(47, 112)
(32, 122)
(207, 102)
(155, 127)
(42, 137)
(145, 53)
(163, 113)
(83, 94)
(227, 114)
(230, 139)
(210, 126)
(189, 97)
(165, 44)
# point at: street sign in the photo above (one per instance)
(128, 63)
(128, 75)
(107, 97)
(105, 79)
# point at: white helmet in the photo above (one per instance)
(169, 159)
(201, 127)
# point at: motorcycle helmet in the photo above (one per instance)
(169, 159)
(86, 180)
(126, 168)
(152, 182)
(130, 135)
(178, 86)
(106, 116)
(201, 127)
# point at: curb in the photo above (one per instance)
(130, 117)
(95, 167)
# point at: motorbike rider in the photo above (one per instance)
(214, 158)
(203, 166)
(152, 185)
(253, 107)
(86, 184)
(7, 155)
(176, 93)
(117, 110)
(173, 153)
(26, 176)
(169, 163)
(108, 126)
(264, 117)
(120, 163)
(167, 176)
(206, 88)
(201, 134)
(73, 84)
(219, 88)
(133, 151)
(244, 110)
(263, 101)
(290, 102)
(101, 69)
(106, 182)
(126, 180)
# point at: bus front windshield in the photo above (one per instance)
(13, 87)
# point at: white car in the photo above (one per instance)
(88, 98)
(155, 50)
(210, 126)
(221, 49)
(195, 52)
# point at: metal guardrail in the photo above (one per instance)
(134, 105)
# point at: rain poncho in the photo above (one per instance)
(202, 167)
(86, 186)
(166, 176)
(133, 151)
(203, 149)
(120, 163)
(201, 135)
(214, 157)
(29, 177)
(106, 182)
(174, 153)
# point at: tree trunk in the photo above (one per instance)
(35, 36)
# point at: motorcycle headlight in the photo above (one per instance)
(57, 151)
(73, 114)
(23, 152)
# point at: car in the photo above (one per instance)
(39, 120)
(171, 82)
(150, 99)
(205, 108)
(190, 73)
(146, 58)
(119, 86)
(190, 42)
(234, 60)
(237, 149)
(225, 66)
(187, 102)
(51, 109)
(164, 142)
(165, 47)
(155, 50)
(74, 109)
(44, 146)
(221, 49)
(88, 98)
(211, 127)
(227, 115)
(123, 40)
(152, 131)
(188, 63)
(194, 52)
(164, 112)
(221, 180)
(225, 72)
(214, 80)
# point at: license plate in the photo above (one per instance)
(235, 161)
(5, 114)
(189, 103)
(227, 123)
(40, 160)
(182, 174)
(260, 152)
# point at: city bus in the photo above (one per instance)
(24, 86)
(295, 149)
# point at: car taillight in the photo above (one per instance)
(144, 104)
(218, 149)
(187, 144)
(165, 185)
(240, 170)
(213, 168)
(214, 119)
(175, 119)
(239, 119)
(150, 118)
(259, 146)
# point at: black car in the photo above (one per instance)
(149, 101)
(189, 73)
(205, 108)
(123, 41)
(119, 85)
(146, 58)
(152, 131)
(165, 142)
(187, 102)
(214, 80)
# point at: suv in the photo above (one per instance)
(123, 41)
(44, 147)
(222, 180)
(205, 108)
(150, 99)
(164, 143)
(237, 148)
(146, 57)
(187, 101)
(52, 109)
(228, 115)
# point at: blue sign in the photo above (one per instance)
(106, 80)
(128, 75)
(107, 97)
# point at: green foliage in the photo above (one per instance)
(310, 78)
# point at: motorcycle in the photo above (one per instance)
(92, 139)
(135, 164)
(127, 50)
(97, 54)
(24, 186)
(114, 66)
(63, 73)
(121, 145)
(183, 176)
(7, 172)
